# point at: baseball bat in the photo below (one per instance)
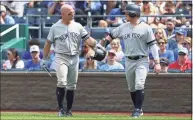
(47, 70)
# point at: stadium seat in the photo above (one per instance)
(20, 20)
(188, 71)
(37, 11)
(98, 33)
(33, 20)
(45, 32)
(117, 70)
(174, 71)
(50, 20)
(16, 69)
(42, 42)
(92, 70)
(151, 70)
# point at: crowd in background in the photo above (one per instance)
(173, 34)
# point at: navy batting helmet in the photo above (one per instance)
(100, 53)
(133, 10)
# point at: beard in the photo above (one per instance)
(169, 29)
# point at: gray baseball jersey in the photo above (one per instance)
(136, 41)
(66, 41)
(135, 38)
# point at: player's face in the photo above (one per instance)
(129, 18)
(68, 14)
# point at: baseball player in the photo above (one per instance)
(138, 38)
(66, 36)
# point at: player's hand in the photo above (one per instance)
(43, 63)
(157, 68)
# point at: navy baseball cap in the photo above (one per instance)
(164, 61)
(181, 31)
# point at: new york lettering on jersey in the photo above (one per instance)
(135, 38)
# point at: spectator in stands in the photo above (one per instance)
(79, 10)
(148, 9)
(160, 33)
(89, 63)
(4, 18)
(187, 43)
(94, 6)
(37, 3)
(157, 23)
(103, 24)
(54, 9)
(111, 64)
(116, 45)
(138, 2)
(54, 6)
(164, 62)
(163, 52)
(14, 7)
(183, 63)
(27, 54)
(176, 43)
(116, 21)
(170, 27)
(183, 7)
(160, 4)
(13, 60)
(169, 8)
(111, 4)
(34, 63)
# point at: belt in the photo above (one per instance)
(136, 57)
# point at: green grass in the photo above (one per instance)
(79, 116)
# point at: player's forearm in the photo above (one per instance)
(91, 42)
(155, 53)
(46, 49)
(106, 41)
